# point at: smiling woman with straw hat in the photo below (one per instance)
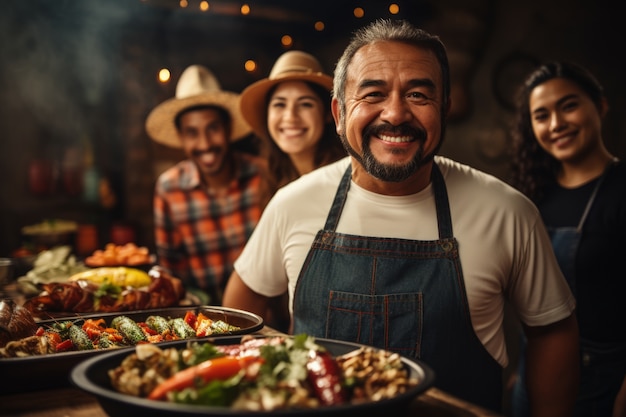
(290, 112)
(213, 187)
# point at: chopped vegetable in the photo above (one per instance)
(324, 375)
(214, 369)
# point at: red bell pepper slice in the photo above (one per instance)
(190, 318)
(203, 325)
(324, 375)
(64, 346)
(219, 368)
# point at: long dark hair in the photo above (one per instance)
(281, 170)
(532, 168)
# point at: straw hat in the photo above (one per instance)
(197, 86)
(290, 66)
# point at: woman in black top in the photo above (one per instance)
(563, 165)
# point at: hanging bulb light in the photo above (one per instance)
(250, 65)
(164, 76)
(286, 40)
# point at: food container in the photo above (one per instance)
(92, 377)
(50, 233)
(33, 373)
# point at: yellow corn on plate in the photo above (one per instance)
(119, 275)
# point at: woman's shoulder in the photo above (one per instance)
(615, 181)
(618, 169)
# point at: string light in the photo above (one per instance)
(250, 65)
(286, 40)
(164, 75)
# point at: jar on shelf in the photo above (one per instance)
(87, 239)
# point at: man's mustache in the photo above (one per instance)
(389, 129)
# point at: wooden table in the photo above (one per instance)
(72, 402)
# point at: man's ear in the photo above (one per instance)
(334, 108)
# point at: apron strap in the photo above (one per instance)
(579, 228)
(444, 218)
(340, 200)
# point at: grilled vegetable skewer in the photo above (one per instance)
(131, 331)
(158, 324)
(79, 338)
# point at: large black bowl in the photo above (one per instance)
(92, 377)
(33, 373)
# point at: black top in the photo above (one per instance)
(600, 267)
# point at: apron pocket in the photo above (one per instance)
(393, 320)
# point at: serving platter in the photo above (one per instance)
(32, 373)
(92, 377)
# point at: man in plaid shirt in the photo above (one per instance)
(206, 206)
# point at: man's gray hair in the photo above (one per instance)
(389, 30)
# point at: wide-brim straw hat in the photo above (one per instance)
(197, 86)
(290, 66)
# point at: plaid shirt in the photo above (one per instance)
(198, 236)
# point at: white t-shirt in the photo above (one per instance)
(504, 248)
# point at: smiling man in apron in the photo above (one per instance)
(401, 249)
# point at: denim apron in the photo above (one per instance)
(406, 296)
(565, 241)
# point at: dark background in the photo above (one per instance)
(77, 76)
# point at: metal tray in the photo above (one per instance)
(33, 373)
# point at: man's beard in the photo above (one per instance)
(389, 172)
